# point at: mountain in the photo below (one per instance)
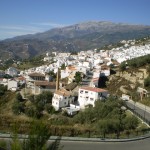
(83, 36)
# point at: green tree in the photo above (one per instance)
(63, 67)
(78, 77)
(49, 108)
(19, 97)
(3, 89)
(147, 82)
(122, 66)
(131, 122)
(38, 136)
(104, 126)
(18, 107)
(37, 139)
(15, 144)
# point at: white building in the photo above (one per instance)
(41, 86)
(105, 71)
(61, 99)
(94, 82)
(89, 95)
(12, 85)
(12, 71)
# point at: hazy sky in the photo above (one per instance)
(19, 17)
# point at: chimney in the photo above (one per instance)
(57, 80)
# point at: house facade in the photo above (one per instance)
(41, 86)
(61, 99)
(12, 85)
(89, 95)
(36, 76)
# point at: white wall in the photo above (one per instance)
(86, 97)
(12, 85)
(60, 101)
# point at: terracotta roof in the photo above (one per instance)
(71, 68)
(35, 74)
(63, 92)
(21, 78)
(45, 83)
(93, 89)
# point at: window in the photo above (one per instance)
(65, 103)
(86, 92)
(86, 98)
(91, 99)
(100, 94)
(81, 92)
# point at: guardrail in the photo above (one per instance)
(140, 116)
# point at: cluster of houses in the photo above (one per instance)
(129, 51)
(68, 95)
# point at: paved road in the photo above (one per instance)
(140, 110)
(133, 145)
(78, 145)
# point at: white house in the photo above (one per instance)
(12, 71)
(94, 82)
(12, 85)
(82, 69)
(105, 71)
(88, 96)
(62, 98)
(64, 73)
(96, 73)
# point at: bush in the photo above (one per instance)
(17, 107)
(49, 108)
(19, 97)
(3, 89)
(131, 122)
(147, 82)
(122, 66)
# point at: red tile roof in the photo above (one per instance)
(21, 78)
(93, 89)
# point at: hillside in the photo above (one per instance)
(83, 36)
(134, 74)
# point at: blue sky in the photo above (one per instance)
(20, 17)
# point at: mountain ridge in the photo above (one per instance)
(77, 37)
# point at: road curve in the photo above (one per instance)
(130, 145)
(142, 143)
